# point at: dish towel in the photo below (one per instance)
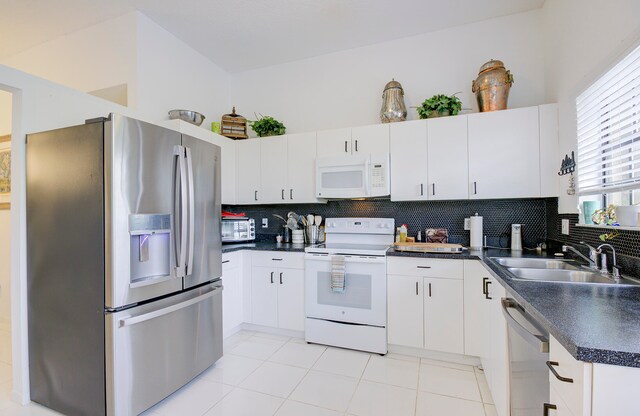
(337, 274)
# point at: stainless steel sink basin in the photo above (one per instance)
(571, 276)
(536, 263)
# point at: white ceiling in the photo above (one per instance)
(239, 35)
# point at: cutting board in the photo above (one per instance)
(429, 247)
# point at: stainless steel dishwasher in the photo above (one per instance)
(528, 354)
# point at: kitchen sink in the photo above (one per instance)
(570, 276)
(533, 263)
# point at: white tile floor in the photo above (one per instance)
(267, 375)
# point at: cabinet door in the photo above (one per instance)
(273, 168)
(264, 296)
(302, 168)
(404, 311)
(334, 142)
(499, 362)
(248, 172)
(447, 161)
(443, 315)
(372, 139)
(476, 309)
(504, 154)
(291, 299)
(228, 159)
(408, 143)
(231, 300)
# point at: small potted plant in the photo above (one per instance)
(267, 126)
(440, 105)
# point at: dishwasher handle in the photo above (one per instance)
(539, 341)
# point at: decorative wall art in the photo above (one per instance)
(5, 171)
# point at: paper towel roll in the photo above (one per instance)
(475, 225)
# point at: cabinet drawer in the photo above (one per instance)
(277, 259)
(231, 260)
(425, 267)
(567, 367)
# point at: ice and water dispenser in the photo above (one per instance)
(150, 247)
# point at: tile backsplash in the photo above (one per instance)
(498, 215)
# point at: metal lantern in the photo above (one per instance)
(393, 108)
(233, 126)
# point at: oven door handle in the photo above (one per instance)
(347, 259)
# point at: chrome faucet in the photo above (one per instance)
(593, 254)
(615, 270)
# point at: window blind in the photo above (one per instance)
(608, 115)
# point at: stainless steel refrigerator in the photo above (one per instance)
(124, 264)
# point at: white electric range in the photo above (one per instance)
(353, 315)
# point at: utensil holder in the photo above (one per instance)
(311, 234)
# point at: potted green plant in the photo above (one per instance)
(440, 105)
(267, 126)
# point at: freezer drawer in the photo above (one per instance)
(154, 349)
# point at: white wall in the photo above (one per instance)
(171, 75)
(38, 105)
(90, 59)
(345, 88)
(583, 38)
(5, 291)
(161, 72)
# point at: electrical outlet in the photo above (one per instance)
(265, 223)
(467, 224)
(565, 227)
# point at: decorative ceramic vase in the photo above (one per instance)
(393, 108)
(492, 86)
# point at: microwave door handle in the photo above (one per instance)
(192, 211)
(180, 215)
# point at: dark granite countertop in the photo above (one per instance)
(595, 323)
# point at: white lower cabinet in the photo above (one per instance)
(443, 315)
(476, 308)
(425, 304)
(404, 306)
(277, 290)
(232, 298)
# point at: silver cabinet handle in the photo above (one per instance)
(179, 152)
(421, 189)
(475, 188)
(156, 314)
(226, 261)
(546, 407)
(291, 193)
(280, 277)
(272, 277)
(356, 145)
(192, 212)
(423, 267)
(345, 146)
(416, 288)
(433, 189)
(283, 194)
(551, 365)
(429, 289)
(255, 195)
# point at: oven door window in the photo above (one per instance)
(357, 293)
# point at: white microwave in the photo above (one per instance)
(352, 176)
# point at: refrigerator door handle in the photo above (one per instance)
(156, 314)
(179, 152)
(192, 211)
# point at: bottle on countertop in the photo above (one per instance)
(403, 233)
(419, 237)
(397, 238)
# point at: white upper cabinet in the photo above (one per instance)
(362, 140)
(301, 168)
(273, 168)
(447, 158)
(372, 139)
(408, 143)
(504, 154)
(248, 172)
(335, 142)
(549, 154)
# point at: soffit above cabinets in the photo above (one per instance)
(241, 35)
